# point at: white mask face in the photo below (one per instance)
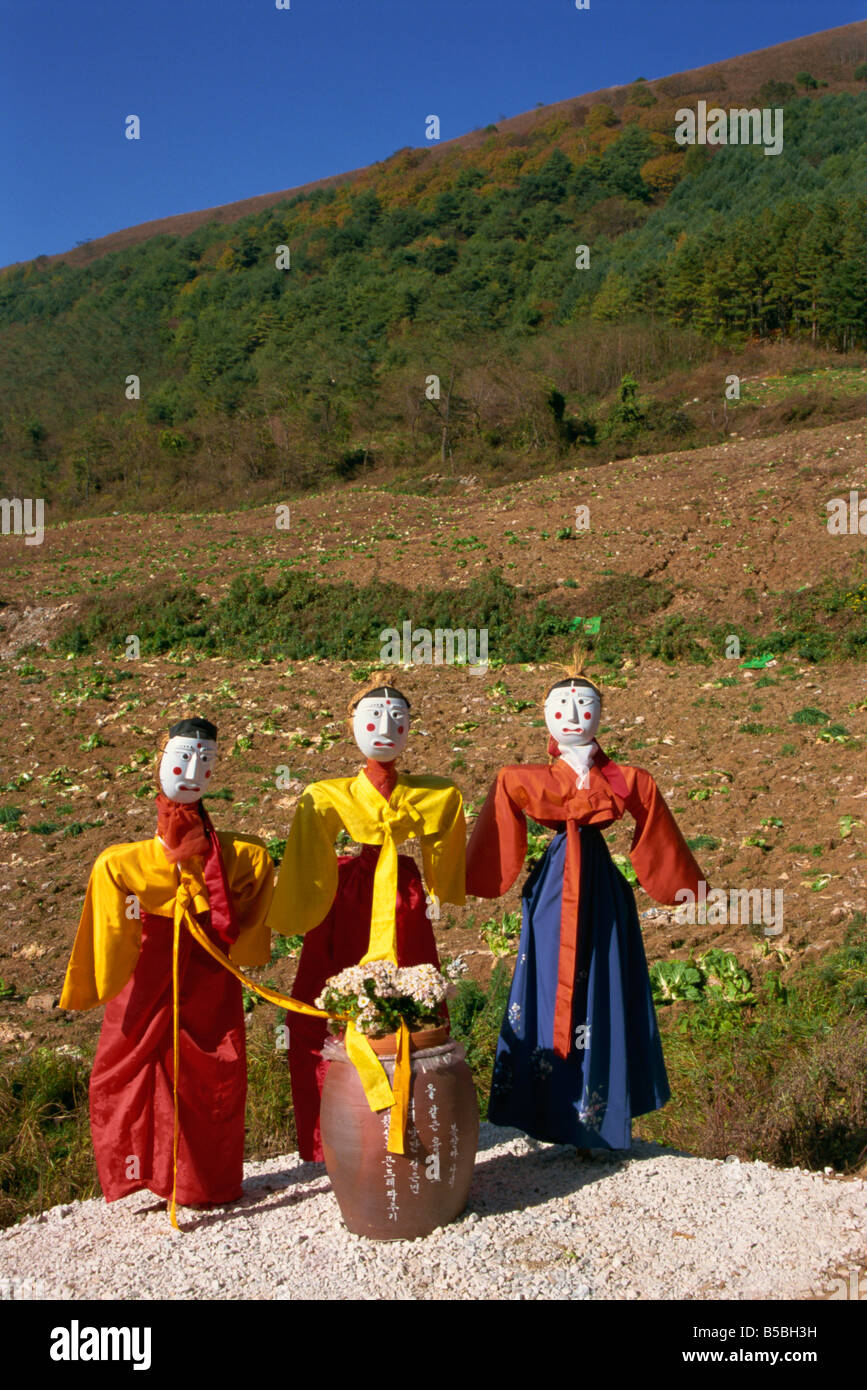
(381, 727)
(186, 767)
(572, 714)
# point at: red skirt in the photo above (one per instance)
(131, 1085)
(338, 942)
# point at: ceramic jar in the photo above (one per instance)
(387, 1196)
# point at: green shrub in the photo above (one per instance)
(810, 716)
(476, 1016)
(502, 933)
(45, 1148)
(781, 1076)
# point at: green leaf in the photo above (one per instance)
(625, 867)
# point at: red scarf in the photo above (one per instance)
(187, 830)
(383, 776)
(182, 829)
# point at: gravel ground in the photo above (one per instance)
(541, 1224)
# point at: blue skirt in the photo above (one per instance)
(615, 1067)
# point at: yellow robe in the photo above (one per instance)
(108, 940)
(428, 809)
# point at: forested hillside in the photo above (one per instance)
(464, 265)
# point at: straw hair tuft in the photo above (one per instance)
(576, 671)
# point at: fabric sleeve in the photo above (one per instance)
(307, 880)
(498, 844)
(251, 883)
(660, 856)
(444, 853)
(107, 943)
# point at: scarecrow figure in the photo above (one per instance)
(369, 906)
(579, 1051)
(169, 1079)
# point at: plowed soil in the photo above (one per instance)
(727, 528)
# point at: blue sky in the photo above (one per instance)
(237, 97)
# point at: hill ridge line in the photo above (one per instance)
(236, 210)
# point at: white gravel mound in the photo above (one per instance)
(541, 1224)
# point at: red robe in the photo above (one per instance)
(660, 856)
(131, 1085)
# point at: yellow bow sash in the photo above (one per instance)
(398, 823)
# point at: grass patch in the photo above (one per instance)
(782, 1077)
(703, 842)
(810, 716)
(46, 1155)
(76, 827)
(300, 616)
(270, 1117)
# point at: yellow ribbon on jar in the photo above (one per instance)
(399, 823)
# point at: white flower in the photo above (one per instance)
(360, 990)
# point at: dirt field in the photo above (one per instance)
(727, 528)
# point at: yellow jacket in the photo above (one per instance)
(428, 809)
(108, 939)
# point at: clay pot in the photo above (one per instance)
(418, 1042)
(401, 1196)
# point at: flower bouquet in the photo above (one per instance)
(380, 995)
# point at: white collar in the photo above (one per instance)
(580, 758)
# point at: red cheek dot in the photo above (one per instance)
(400, 728)
(558, 715)
(176, 771)
(587, 716)
(370, 728)
(207, 774)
